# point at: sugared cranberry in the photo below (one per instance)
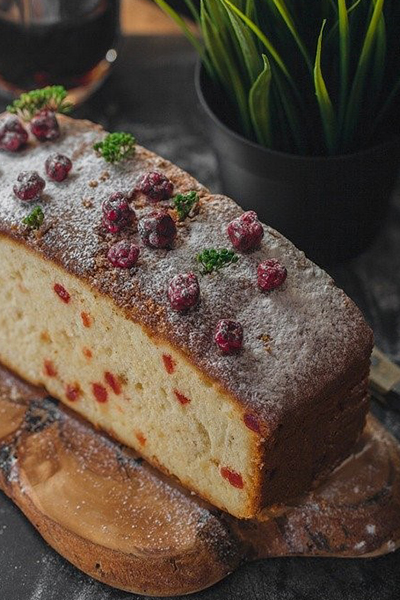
(29, 186)
(44, 126)
(12, 134)
(57, 167)
(183, 291)
(155, 185)
(270, 274)
(123, 254)
(157, 229)
(246, 232)
(117, 214)
(229, 336)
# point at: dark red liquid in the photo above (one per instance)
(63, 52)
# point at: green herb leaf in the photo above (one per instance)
(184, 204)
(29, 103)
(214, 260)
(259, 105)
(35, 218)
(116, 146)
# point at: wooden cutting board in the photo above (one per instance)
(117, 519)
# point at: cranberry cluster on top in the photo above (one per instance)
(157, 229)
(13, 135)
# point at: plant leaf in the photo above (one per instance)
(247, 46)
(259, 98)
(185, 29)
(359, 82)
(261, 36)
(344, 55)
(380, 55)
(193, 10)
(324, 101)
(225, 68)
(287, 18)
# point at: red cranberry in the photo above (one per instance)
(155, 185)
(246, 232)
(183, 291)
(229, 336)
(117, 214)
(12, 134)
(123, 254)
(270, 274)
(29, 187)
(157, 229)
(234, 478)
(44, 126)
(57, 167)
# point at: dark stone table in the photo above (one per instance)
(151, 94)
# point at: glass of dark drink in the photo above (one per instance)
(57, 42)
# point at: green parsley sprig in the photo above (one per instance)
(35, 218)
(116, 146)
(185, 203)
(214, 260)
(52, 97)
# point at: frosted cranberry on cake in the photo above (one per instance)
(176, 322)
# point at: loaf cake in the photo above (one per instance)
(247, 396)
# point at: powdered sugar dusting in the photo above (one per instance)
(316, 333)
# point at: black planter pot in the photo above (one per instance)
(330, 207)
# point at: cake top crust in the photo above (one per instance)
(298, 339)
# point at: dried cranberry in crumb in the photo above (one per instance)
(229, 336)
(29, 186)
(57, 167)
(44, 126)
(123, 254)
(183, 291)
(155, 185)
(246, 232)
(117, 214)
(12, 134)
(157, 229)
(270, 274)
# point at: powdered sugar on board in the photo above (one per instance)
(314, 332)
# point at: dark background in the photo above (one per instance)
(151, 94)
